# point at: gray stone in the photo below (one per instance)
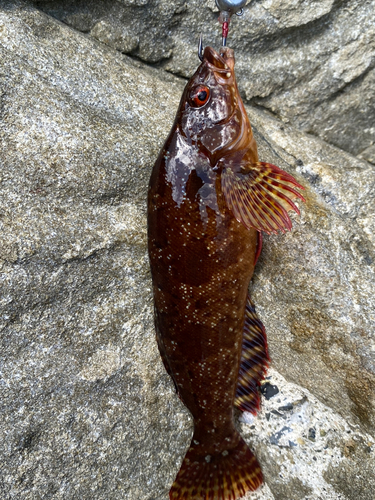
(309, 62)
(337, 464)
(83, 412)
(314, 286)
(368, 154)
(87, 408)
(119, 37)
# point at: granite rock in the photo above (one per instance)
(87, 408)
(312, 63)
(306, 450)
(314, 285)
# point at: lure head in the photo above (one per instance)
(211, 114)
(231, 6)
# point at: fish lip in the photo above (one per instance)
(216, 61)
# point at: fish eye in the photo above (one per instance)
(199, 96)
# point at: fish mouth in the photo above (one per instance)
(220, 63)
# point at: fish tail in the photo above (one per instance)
(227, 475)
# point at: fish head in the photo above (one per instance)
(211, 114)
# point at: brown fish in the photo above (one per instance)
(209, 198)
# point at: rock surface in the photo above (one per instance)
(314, 286)
(87, 409)
(306, 450)
(311, 63)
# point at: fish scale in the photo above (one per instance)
(209, 198)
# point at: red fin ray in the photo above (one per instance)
(272, 210)
(254, 361)
(279, 174)
(263, 216)
(245, 213)
(225, 476)
(270, 186)
(260, 194)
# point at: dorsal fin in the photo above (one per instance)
(254, 361)
(260, 194)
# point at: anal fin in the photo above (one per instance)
(254, 361)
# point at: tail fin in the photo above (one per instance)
(225, 476)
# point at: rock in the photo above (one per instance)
(314, 286)
(82, 385)
(298, 467)
(368, 154)
(298, 59)
(269, 390)
(118, 36)
(87, 408)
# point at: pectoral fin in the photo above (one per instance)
(259, 195)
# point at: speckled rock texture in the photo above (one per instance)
(314, 286)
(310, 62)
(87, 410)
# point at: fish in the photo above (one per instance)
(209, 200)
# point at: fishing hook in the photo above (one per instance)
(200, 48)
